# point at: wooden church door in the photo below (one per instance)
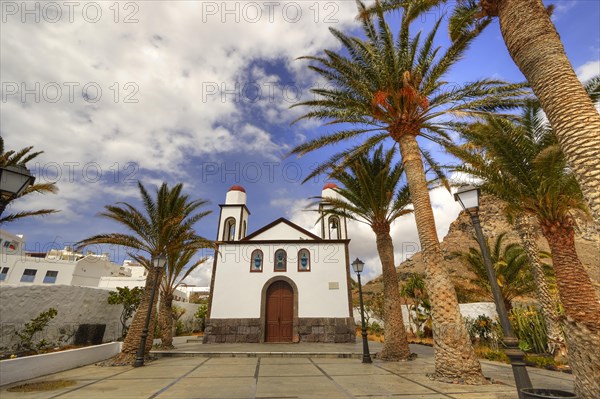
(280, 312)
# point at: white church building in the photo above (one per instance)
(281, 283)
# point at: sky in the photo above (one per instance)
(199, 92)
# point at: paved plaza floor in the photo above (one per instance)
(225, 376)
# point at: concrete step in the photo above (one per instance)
(323, 355)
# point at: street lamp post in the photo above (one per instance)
(468, 197)
(358, 266)
(158, 263)
(13, 181)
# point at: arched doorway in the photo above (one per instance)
(279, 312)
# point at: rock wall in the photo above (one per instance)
(75, 306)
(460, 237)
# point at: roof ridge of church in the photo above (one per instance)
(278, 221)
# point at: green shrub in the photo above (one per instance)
(546, 362)
(481, 328)
(375, 328)
(530, 328)
(485, 352)
(130, 299)
(200, 316)
(179, 328)
(35, 325)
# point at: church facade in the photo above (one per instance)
(281, 283)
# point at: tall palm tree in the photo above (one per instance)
(164, 225)
(20, 158)
(535, 47)
(178, 268)
(371, 194)
(511, 265)
(522, 164)
(388, 87)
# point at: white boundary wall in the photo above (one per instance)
(467, 310)
(25, 368)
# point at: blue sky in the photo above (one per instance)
(199, 93)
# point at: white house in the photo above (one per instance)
(65, 266)
(281, 283)
(189, 289)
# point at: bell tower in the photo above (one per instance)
(233, 220)
(333, 227)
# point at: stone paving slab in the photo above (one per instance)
(286, 377)
(226, 387)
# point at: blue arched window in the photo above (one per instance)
(280, 260)
(304, 260)
(256, 261)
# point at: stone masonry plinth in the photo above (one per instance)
(326, 329)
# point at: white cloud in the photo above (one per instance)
(588, 70)
(167, 82)
(561, 8)
(201, 276)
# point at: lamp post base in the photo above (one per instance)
(138, 362)
(366, 355)
(517, 362)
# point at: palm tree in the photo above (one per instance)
(387, 88)
(178, 268)
(20, 158)
(371, 195)
(523, 165)
(163, 226)
(527, 229)
(511, 265)
(419, 313)
(535, 47)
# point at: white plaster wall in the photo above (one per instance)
(190, 310)
(472, 310)
(25, 368)
(237, 291)
(282, 231)
(75, 306)
(111, 283)
(467, 310)
(235, 197)
(18, 263)
(17, 241)
(89, 270)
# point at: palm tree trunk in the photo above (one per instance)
(536, 48)
(165, 320)
(556, 339)
(578, 296)
(134, 334)
(455, 359)
(395, 346)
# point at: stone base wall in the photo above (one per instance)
(325, 329)
(220, 331)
